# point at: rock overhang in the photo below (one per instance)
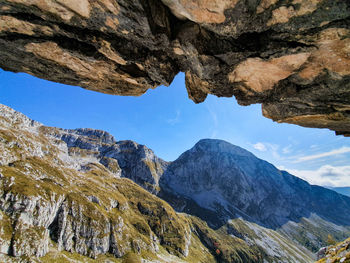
(292, 57)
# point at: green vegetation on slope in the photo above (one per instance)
(337, 253)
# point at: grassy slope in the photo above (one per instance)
(337, 253)
(47, 177)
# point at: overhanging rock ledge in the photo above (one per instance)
(292, 56)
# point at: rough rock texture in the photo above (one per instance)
(5, 233)
(29, 240)
(60, 199)
(218, 181)
(123, 158)
(338, 253)
(292, 56)
(52, 191)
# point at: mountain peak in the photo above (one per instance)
(220, 146)
(101, 135)
(13, 118)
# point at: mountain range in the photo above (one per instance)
(81, 195)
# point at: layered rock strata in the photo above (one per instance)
(290, 56)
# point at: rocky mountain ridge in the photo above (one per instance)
(124, 158)
(218, 181)
(50, 192)
(290, 56)
(68, 193)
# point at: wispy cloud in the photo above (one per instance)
(260, 147)
(327, 175)
(268, 147)
(176, 119)
(305, 158)
(214, 134)
(213, 116)
(215, 125)
(287, 149)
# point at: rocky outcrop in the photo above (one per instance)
(338, 253)
(57, 195)
(123, 158)
(291, 56)
(68, 194)
(52, 190)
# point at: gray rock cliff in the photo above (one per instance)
(290, 56)
(218, 181)
(76, 193)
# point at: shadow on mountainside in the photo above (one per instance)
(217, 182)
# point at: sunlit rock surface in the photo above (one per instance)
(60, 192)
(291, 56)
(66, 193)
(218, 181)
(339, 252)
(64, 197)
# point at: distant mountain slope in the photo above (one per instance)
(124, 158)
(341, 190)
(63, 198)
(218, 181)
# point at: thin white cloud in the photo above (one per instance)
(268, 147)
(213, 116)
(274, 150)
(215, 123)
(214, 134)
(305, 158)
(327, 175)
(260, 147)
(175, 120)
(287, 149)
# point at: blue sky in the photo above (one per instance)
(169, 123)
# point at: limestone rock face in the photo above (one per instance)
(56, 185)
(218, 181)
(291, 56)
(66, 195)
(30, 240)
(123, 158)
(5, 233)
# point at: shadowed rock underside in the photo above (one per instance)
(292, 56)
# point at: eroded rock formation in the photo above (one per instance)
(55, 185)
(293, 56)
(220, 182)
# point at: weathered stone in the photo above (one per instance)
(56, 186)
(5, 233)
(218, 181)
(29, 240)
(61, 187)
(201, 11)
(335, 253)
(286, 55)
